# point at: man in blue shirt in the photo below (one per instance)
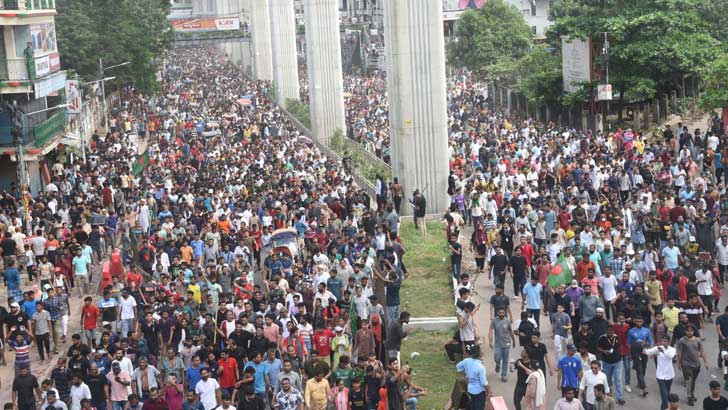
(261, 381)
(192, 373)
(12, 279)
(639, 339)
(477, 382)
(531, 299)
(570, 369)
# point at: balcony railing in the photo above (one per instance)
(13, 69)
(27, 4)
(49, 128)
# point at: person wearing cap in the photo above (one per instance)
(569, 371)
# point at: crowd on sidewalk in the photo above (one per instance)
(255, 273)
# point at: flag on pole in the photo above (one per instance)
(560, 273)
(141, 163)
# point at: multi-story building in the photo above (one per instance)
(30, 81)
(535, 12)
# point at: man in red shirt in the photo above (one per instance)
(89, 319)
(322, 342)
(228, 371)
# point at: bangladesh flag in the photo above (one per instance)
(560, 273)
(141, 163)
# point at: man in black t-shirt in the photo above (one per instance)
(518, 266)
(499, 263)
(23, 387)
(538, 353)
(715, 401)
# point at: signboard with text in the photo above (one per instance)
(604, 92)
(575, 62)
(73, 97)
(48, 85)
(206, 24)
(47, 64)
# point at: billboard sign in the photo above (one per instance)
(47, 64)
(604, 92)
(43, 37)
(576, 63)
(73, 97)
(206, 24)
(46, 86)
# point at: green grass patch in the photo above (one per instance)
(427, 291)
(431, 369)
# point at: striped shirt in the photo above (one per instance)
(22, 353)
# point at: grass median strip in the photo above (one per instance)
(430, 368)
(427, 291)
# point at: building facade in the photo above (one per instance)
(30, 81)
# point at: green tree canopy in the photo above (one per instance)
(653, 43)
(115, 31)
(716, 84)
(490, 40)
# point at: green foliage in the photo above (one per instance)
(652, 42)
(115, 31)
(716, 85)
(301, 111)
(490, 39)
(359, 159)
(540, 76)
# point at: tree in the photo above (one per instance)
(716, 85)
(653, 43)
(115, 31)
(539, 77)
(490, 40)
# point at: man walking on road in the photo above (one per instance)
(500, 327)
(689, 354)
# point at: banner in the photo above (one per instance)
(73, 97)
(47, 64)
(206, 24)
(576, 63)
(44, 87)
(604, 92)
(43, 37)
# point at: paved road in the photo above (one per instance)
(485, 289)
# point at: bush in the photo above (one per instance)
(359, 159)
(301, 111)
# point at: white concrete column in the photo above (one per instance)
(415, 49)
(283, 42)
(260, 27)
(323, 60)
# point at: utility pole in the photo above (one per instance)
(103, 88)
(606, 76)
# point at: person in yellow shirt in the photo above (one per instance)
(654, 291)
(317, 390)
(194, 287)
(671, 312)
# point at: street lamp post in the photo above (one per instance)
(103, 88)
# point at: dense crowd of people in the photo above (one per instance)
(238, 267)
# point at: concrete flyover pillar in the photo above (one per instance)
(260, 31)
(323, 61)
(283, 42)
(416, 88)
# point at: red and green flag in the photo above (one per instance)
(560, 273)
(141, 163)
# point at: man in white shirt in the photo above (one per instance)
(591, 379)
(127, 308)
(79, 391)
(721, 249)
(209, 390)
(665, 371)
(704, 283)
